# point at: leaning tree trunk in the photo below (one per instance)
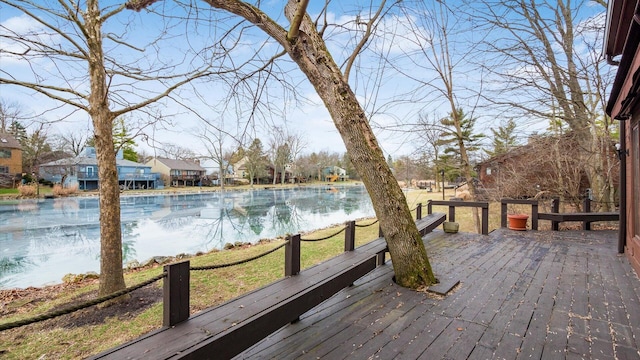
(308, 50)
(111, 273)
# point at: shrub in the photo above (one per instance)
(58, 190)
(28, 190)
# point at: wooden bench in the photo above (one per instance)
(226, 330)
(585, 217)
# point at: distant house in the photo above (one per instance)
(622, 39)
(541, 166)
(224, 174)
(334, 173)
(271, 172)
(82, 170)
(10, 161)
(179, 172)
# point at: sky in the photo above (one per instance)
(301, 112)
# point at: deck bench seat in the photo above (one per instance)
(228, 329)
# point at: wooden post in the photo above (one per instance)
(175, 302)
(380, 234)
(452, 213)
(429, 207)
(555, 208)
(292, 256)
(503, 214)
(485, 219)
(534, 216)
(419, 211)
(586, 207)
(350, 236)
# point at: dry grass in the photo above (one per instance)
(28, 190)
(208, 288)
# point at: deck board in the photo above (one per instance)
(523, 295)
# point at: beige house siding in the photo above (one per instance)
(158, 167)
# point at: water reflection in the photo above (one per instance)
(42, 240)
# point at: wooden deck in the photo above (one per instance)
(523, 295)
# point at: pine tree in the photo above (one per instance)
(504, 139)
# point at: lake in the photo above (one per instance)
(42, 240)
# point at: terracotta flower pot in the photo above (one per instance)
(518, 221)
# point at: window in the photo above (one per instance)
(5, 153)
(4, 169)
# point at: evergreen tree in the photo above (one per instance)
(122, 139)
(454, 140)
(18, 131)
(256, 160)
(504, 139)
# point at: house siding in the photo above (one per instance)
(622, 38)
(12, 164)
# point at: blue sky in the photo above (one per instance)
(303, 113)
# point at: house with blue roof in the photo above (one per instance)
(82, 171)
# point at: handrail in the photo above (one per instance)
(176, 278)
(176, 281)
(456, 203)
(534, 211)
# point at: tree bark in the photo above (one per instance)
(308, 50)
(112, 276)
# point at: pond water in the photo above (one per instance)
(42, 240)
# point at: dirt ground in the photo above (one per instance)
(22, 300)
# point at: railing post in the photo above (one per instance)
(380, 234)
(555, 208)
(292, 256)
(485, 219)
(429, 207)
(419, 211)
(534, 216)
(350, 236)
(586, 207)
(175, 288)
(452, 213)
(503, 213)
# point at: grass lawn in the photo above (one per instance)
(93, 330)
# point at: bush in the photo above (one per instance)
(28, 190)
(58, 190)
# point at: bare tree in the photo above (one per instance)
(303, 42)
(72, 142)
(546, 61)
(9, 112)
(213, 137)
(435, 49)
(34, 149)
(101, 73)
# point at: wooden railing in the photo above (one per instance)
(555, 216)
(452, 210)
(504, 211)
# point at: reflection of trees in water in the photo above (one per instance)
(13, 265)
(213, 219)
(129, 238)
(331, 199)
(284, 215)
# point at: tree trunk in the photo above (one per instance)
(308, 50)
(111, 273)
